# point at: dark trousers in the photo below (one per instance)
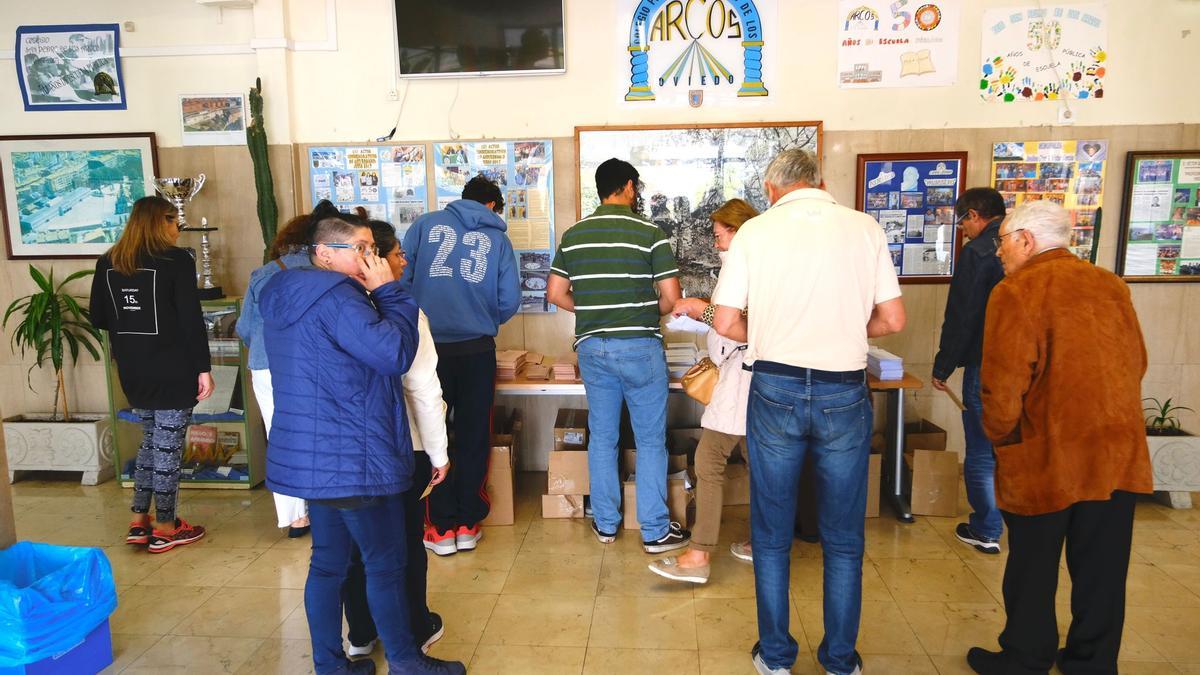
(1098, 536)
(468, 387)
(354, 590)
(372, 525)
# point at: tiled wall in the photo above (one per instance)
(228, 199)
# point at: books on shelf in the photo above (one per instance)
(884, 364)
(563, 368)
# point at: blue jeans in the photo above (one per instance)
(377, 528)
(979, 464)
(788, 418)
(633, 370)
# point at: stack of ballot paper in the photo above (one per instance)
(884, 364)
(680, 357)
(534, 370)
(564, 368)
(508, 362)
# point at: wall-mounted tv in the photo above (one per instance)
(455, 38)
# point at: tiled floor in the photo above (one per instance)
(545, 597)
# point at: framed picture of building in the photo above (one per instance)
(687, 171)
(69, 196)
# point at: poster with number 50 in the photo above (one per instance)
(908, 43)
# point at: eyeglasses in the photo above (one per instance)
(959, 219)
(358, 247)
(999, 239)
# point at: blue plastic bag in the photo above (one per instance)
(51, 597)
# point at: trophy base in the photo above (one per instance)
(214, 293)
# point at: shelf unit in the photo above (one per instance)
(202, 466)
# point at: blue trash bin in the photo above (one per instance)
(54, 607)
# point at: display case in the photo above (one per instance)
(226, 444)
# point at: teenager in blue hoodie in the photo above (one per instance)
(463, 274)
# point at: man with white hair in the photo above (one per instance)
(1063, 361)
(820, 281)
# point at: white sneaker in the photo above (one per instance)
(364, 650)
(761, 666)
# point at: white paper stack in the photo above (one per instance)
(884, 364)
(680, 357)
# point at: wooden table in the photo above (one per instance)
(893, 461)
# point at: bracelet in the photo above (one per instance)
(707, 315)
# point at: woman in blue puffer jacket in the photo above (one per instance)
(337, 336)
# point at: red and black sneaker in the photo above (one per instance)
(139, 534)
(161, 542)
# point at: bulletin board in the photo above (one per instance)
(688, 171)
(912, 196)
(400, 182)
(1160, 220)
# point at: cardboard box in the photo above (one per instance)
(924, 435)
(678, 499)
(562, 506)
(675, 463)
(736, 491)
(934, 481)
(874, 478)
(568, 473)
(499, 485)
(570, 429)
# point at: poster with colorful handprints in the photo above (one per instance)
(1069, 173)
(1044, 53)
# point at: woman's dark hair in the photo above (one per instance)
(385, 236)
(483, 190)
(292, 237)
(325, 210)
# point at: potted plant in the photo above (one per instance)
(1174, 453)
(52, 324)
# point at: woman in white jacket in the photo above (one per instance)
(723, 422)
(427, 422)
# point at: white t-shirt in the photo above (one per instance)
(809, 272)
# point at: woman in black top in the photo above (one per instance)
(144, 295)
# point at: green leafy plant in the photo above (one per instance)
(1163, 418)
(52, 324)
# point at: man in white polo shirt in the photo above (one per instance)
(817, 281)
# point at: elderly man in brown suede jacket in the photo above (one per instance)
(1063, 360)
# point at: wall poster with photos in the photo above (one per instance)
(912, 196)
(1070, 173)
(524, 170)
(69, 196)
(389, 181)
(687, 172)
(1160, 223)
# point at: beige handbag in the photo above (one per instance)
(700, 380)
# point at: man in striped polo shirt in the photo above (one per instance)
(615, 271)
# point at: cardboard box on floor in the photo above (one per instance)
(675, 463)
(562, 506)
(570, 429)
(678, 499)
(501, 470)
(567, 473)
(931, 470)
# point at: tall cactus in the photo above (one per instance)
(256, 141)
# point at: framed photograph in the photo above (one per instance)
(70, 67)
(688, 171)
(1159, 238)
(912, 195)
(213, 119)
(70, 196)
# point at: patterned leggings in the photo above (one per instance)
(157, 469)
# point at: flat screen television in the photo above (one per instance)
(455, 38)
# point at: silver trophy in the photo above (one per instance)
(179, 191)
(208, 290)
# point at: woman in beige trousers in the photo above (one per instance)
(723, 423)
